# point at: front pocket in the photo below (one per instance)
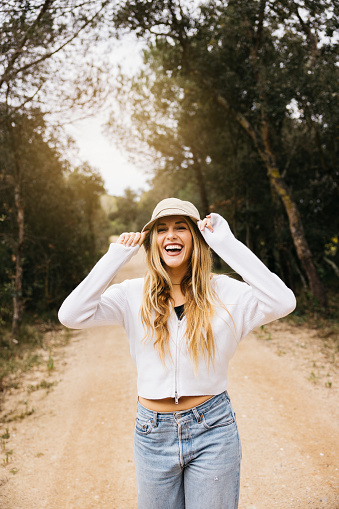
(219, 416)
(143, 427)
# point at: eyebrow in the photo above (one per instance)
(177, 222)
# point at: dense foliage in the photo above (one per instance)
(235, 109)
(62, 215)
(47, 70)
(237, 102)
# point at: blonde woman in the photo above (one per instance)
(184, 324)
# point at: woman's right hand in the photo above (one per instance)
(131, 239)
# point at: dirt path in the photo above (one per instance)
(76, 449)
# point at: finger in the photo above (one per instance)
(130, 239)
(122, 238)
(203, 224)
(209, 225)
(143, 237)
(126, 239)
(136, 238)
(206, 223)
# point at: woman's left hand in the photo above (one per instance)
(206, 223)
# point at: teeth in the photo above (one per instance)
(173, 247)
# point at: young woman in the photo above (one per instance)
(184, 324)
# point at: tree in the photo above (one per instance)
(253, 58)
(45, 45)
(125, 216)
(57, 242)
(88, 186)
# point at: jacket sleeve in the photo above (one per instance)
(89, 305)
(267, 297)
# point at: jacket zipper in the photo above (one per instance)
(176, 397)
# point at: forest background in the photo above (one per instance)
(234, 108)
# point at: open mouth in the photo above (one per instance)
(173, 249)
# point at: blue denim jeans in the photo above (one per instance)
(188, 459)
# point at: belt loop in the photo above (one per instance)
(196, 414)
(155, 419)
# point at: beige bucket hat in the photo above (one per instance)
(173, 207)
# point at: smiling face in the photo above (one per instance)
(174, 241)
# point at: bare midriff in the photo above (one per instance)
(168, 404)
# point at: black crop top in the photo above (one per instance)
(180, 311)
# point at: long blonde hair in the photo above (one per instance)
(195, 286)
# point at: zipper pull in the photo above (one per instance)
(176, 399)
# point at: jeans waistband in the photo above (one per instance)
(195, 411)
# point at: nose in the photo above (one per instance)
(171, 233)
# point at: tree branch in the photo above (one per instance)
(28, 99)
(51, 53)
(181, 30)
(242, 120)
(259, 33)
(23, 41)
(333, 265)
(163, 34)
(312, 38)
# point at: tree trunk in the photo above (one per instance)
(296, 227)
(20, 218)
(17, 298)
(298, 235)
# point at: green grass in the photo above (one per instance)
(21, 354)
(42, 385)
(4, 438)
(17, 417)
(17, 356)
(50, 363)
(325, 322)
(6, 435)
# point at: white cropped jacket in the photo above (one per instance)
(261, 298)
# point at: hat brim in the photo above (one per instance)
(170, 212)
